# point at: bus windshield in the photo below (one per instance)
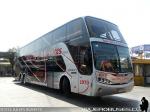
(102, 29)
(111, 58)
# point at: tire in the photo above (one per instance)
(66, 87)
(20, 76)
(23, 80)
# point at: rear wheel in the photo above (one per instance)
(20, 75)
(23, 78)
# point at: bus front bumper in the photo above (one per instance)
(103, 89)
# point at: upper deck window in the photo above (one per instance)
(74, 28)
(102, 29)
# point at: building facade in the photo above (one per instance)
(141, 51)
(141, 64)
(5, 69)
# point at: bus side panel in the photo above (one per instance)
(50, 79)
(71, 71)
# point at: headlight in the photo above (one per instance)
(104, 81)
(101, 78)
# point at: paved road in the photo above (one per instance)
(13, 94)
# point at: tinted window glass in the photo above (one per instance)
(111, 58)
(105, 57)
(48, 38)
(113, 29)
(21, 60)
(125, 61)
(60, 33)
(82, 57)
(74, 28)
(96, 29)
(55, 64)
(102, 29)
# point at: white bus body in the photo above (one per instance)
(70, 58)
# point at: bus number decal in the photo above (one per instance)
(58, 51)
(86, 82)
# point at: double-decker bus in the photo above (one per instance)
(87, 56)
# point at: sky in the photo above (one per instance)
(22, 21)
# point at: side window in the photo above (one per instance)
(21, 60)
(85, 60)
(55, 64)
(60, 62)
(82, 58)
(115, 32)
(48, 38)
(60, 33)
(97, 28)
(115, 35)
(74, 28)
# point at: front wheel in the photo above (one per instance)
(66, 86)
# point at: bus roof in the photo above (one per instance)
(66, 24)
